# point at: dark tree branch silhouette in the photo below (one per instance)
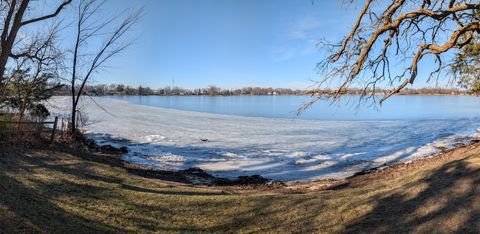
(12, 13)
(410, 31)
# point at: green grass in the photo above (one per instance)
(51, 192)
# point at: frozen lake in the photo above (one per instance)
(395, 108)
(262, 135)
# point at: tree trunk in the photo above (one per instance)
(7, 43)
(73, 124)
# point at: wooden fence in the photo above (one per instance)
(41, 125)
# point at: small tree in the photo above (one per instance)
(85, 63)
(34, 78)
(27, 93)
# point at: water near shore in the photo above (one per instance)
(250, 135)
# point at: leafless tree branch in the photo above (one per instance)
(406, 30)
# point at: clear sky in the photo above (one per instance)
(229, 43)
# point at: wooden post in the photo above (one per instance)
(53, 130)
(61, 129)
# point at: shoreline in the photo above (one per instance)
(390, 171)
(73, 183)
(198, 177)
(45, 183)
(191, 176)
(207, 178)
(89, 149)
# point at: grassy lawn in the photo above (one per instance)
(47, 191)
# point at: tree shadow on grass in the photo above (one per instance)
(258, 214)
(180, 193)
(38, 203)
(443, 200)
(447, 200)
(45, 193)
(33, 208)
(40, 192)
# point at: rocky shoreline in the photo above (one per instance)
(195, 176)
(88, 149)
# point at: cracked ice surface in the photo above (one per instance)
(281, 149)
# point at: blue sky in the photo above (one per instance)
(228, 43)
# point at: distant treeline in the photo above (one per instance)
(125, 90)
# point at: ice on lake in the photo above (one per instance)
(276, 148)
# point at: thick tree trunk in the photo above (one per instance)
(7, 42)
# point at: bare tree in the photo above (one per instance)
(85, 62)
(36, 73)
(12, 13)
(400, 34)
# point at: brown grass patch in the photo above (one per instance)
(43, 190)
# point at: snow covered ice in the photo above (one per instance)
(280, 149)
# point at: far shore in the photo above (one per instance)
(281, 95)
(127, 90)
